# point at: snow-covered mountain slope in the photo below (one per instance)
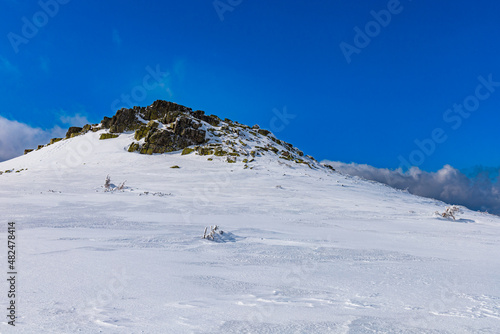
(305, 249)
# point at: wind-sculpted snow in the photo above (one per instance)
(308, 250)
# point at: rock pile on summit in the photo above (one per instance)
(167, 127)
(183, 126)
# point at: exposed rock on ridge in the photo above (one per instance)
(167, 127)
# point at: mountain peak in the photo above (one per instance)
(166, 127)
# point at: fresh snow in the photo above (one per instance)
(305, 250)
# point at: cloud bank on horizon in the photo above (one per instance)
(477, 192)
(15, 136)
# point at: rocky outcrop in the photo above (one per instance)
(167, 127)
(167, 112)
(73, 131)
(123, 120)
(166, 140)
(171, 127)
(161, 127)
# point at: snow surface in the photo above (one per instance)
(304, 251)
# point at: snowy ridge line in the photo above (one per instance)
(165, 127)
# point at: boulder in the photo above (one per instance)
(134, 147)
(205, 151)
(187, 151)
(161, 109)
(106, 122)
(264, 132)
(198, 114)
(171, 117)
(184, 128)
(107, 136)
(152, 124)
(123, 120)
(212, 120)
(141, 132)
(73, 131)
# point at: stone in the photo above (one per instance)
(134, 147)
(171, 117)
(212, 120)
(205, 151)
(274, 149)
(152, 124)
(329, 167)
(141, 132)
(107, 136)
(264, 132)
(180, 124)
(73, 131)
(219, 152)
(161, 109)
(198, 114)
(106, 122)
(28, 151)
(187, 151)
(123, 120)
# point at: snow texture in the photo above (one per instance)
(308, 250)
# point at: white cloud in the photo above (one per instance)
(76, 120)
(448, 184)
(15, 137)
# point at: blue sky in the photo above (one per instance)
(279, 64)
